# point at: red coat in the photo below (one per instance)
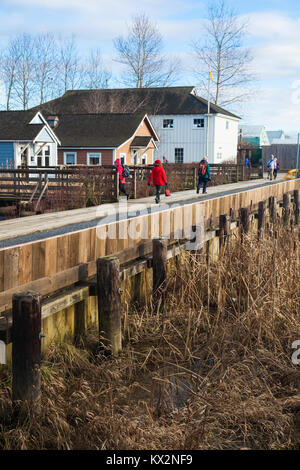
(120, 170)
(159, 176)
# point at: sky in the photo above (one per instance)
(273, 38)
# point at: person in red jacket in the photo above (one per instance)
(159, 178)
(121, 178)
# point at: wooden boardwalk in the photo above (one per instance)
(38, 226)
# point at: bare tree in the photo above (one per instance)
(24, 83)
(46, 62)
(69, 70)
(141, 54)
(9, 65)
(96, 76)
(222, 53)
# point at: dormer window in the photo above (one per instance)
(52, 121)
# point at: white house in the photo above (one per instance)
(179, 116)
(26, 139)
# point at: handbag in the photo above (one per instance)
(167, 192)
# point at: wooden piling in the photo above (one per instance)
(109, 303)
(160, 246)
(296, 206)
(26, 349)
(244, 219)
(261, 218)
(286, 208)
(224, 229)
(273, 209)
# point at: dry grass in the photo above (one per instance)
(213, 371)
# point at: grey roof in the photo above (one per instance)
(140, 141)
(14, 125)
(272, 135)
(153, 101)
(252, 131)
(97, 130)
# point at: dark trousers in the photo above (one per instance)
(158, 190)
(122, 189)
(201, 181)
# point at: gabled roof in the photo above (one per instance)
(163, 101)
(15, 125)
(98, 130)
(18, 126)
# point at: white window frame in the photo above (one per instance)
(179, 148)
(94, 155)
(65, 158)
(170, 121)
(195, 125)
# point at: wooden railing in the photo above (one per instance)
(80, 186)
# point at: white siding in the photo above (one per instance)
(193, 140)
(225, 139)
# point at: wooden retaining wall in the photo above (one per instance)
(59, 262)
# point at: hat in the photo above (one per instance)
(157, 162)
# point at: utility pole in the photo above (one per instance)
(297, 159)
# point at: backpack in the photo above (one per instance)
(269, 164)
(202, 169)
(126, 171)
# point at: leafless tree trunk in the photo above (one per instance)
(46, 61)
(141, 54)
(69, 71)
(96, 76)
(25, 69)
(9, 64)
(222, 53)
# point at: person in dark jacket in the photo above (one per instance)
(203, 175)
(119, 168)
(159, 178)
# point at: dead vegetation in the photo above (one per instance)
(211, 371)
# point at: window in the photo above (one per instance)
(219, 156)
(39, 161)
(168, 123)
(144, 159)
(123, 158)
(70, 158)
(47, 161)
(94, 158)
(198, 123)
(179, 155)
(47, 151)
(227, 124)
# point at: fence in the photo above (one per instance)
(81, 186)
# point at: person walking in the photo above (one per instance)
(271, 167)
(276, 168)
(159, 178)
(203, 175)
(119, 169)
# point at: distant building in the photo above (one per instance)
(275, 135)
(178, 115)
(98, 139)
(254, 135)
